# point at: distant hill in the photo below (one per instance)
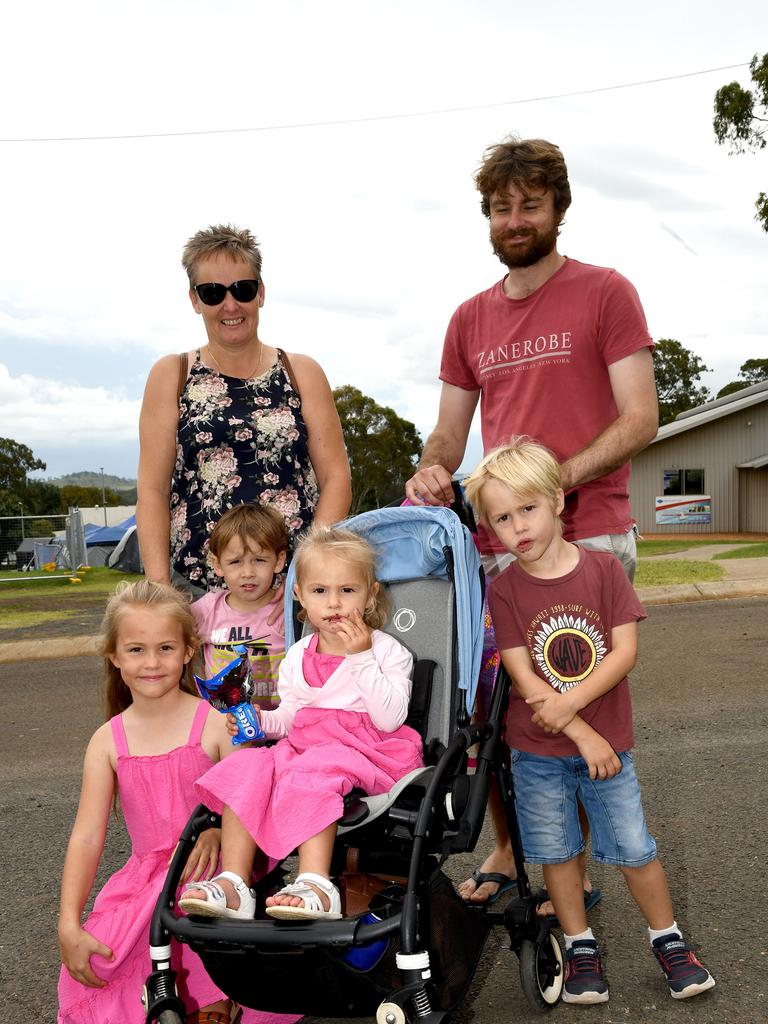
(89, 478)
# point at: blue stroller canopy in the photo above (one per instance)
(410, 543)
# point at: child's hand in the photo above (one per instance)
(231, 723)
(600, 756)
(77, 947)
(204, 858)
(355, 634)
(553, 712)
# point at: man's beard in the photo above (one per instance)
(539, 246)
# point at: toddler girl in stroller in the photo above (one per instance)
(344, 696)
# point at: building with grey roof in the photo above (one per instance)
(707, 470)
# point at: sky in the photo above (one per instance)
(345, 135)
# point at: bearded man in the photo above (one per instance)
(558, 350)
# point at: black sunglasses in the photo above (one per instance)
(242, 291)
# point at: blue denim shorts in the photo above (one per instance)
(547, 793)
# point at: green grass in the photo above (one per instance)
(93, 581)
(747, 551)
(648, 548)
(14, 618)
(662, 574)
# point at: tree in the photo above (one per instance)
(86, 497)
(740, 116)
(16, 460)
(42, 498)
(754, 371)
(382, 448)
(731, 388)
(677, 371)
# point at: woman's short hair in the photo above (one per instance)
(349, 547)
(526, 164)
(236, 243)
(524, 465)
(251, 524)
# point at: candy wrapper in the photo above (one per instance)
(230, 691)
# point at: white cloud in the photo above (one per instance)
(36, 411)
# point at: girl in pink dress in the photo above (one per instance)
(159, 738)
(344, 694)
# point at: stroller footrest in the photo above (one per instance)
(355, 809)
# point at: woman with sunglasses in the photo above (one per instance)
(233, 421)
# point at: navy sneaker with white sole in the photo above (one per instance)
(685, 974)
(584, 974)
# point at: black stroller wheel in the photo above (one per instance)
(541, 972)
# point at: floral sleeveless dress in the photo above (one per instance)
(237, 441)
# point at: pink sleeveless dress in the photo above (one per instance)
(157, 797)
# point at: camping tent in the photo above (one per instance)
(107, 535)
(25, 552)
(101, 541)
(126, 556)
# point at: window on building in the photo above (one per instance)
(683, 481)
(693, 481)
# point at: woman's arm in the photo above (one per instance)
(326, 441)
(86, 845)
(157, 456)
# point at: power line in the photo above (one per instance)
(377, 117)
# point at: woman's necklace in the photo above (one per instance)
(218, 366)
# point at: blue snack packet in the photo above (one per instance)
(230, 691)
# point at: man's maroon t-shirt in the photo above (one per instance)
(541, 365)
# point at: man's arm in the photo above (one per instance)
(444, 450)
(634, 392)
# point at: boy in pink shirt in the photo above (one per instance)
(247, 549)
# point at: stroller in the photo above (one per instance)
(408, 946)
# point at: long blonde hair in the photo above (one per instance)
(349, 547)
(163, 600)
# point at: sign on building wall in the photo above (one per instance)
(683, 508)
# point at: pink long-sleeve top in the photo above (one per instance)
(376, 681)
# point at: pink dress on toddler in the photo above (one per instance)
(287, 793)
(157, 798)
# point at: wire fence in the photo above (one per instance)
(28, 542)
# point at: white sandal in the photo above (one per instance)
(313, 907)
(216, 903)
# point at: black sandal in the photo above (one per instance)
(504, 882)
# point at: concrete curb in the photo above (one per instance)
(722, 590)
(38, 650)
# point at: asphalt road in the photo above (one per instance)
(702, 733)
